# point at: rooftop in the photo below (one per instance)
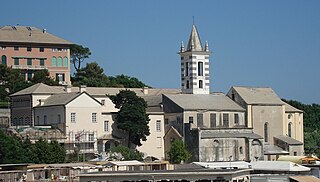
(214, 101)
(257, 95)
(22, 34)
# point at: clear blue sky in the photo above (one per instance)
(255, 43)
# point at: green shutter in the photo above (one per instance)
(54, 61)
(59, 61)
(65, 62)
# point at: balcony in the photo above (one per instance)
(29, 67)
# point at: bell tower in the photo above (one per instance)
(195, 77)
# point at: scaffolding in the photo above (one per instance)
(81, 141)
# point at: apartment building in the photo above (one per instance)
(31, 49)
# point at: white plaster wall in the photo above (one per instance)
(154, 146)
(36, 98)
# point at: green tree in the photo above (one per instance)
(132, 116)
(11, 150)
(78, 54)
(57, 152)
(12, 79)
(127, 153)
(178, 152)
(126, 82)
(92, 75)
(42, 76)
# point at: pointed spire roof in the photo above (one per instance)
(194, 43)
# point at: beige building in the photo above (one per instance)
(213, 127)
(280, 124)
(86, 116)
(31, 49)
(22, 103)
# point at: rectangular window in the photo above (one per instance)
(38, 120)
(187, 69)
(236, 119)
(16, 48)
(200, 68)
(200, 84)
(166, 121)
(94, 117)
(158, 125)
(159, 142)
(190, 119)
(73, 117)
(59, 118)
(91, 137)
(29, 75)
(106, 126)
(41, 49)
(103, 102)
(29, 61)
(200, 119)
(226, 120)
(16, 61)
(29, 49)
(41, 62)
(59, 49)
(3, 48)
(54, 49)
(45, 120)
(213, 120)
(60, 77)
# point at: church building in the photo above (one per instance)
(248, 123)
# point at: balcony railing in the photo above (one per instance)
(29, 67)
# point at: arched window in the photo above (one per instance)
(266, 132)
(65, 62)
(26, 121)
(54, 61)
(107, 147)
(20, 121)
(15, 122)
(45, 120)
(200, 68)
(4, 60)
(200, 84)
(60, 61)
(289, 129)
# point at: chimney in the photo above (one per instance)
(68, 88)
(145, 90)
(83, 88)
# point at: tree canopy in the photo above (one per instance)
(16, 150)
(127, 153)
(78, 54)
(13, 80)
(93, 75)
(311, 119)
(178, 152)
(132, 116)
